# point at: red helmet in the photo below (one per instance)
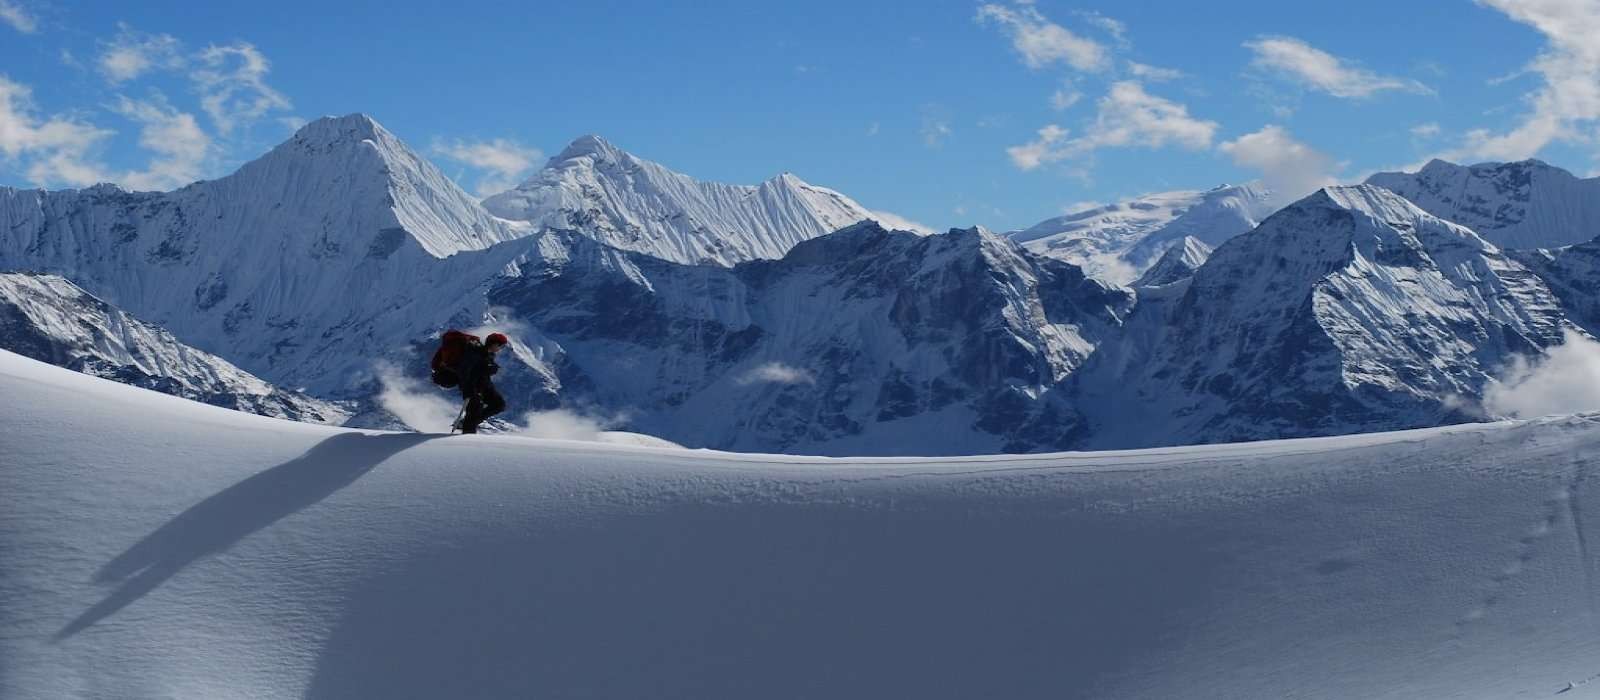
(497, 339)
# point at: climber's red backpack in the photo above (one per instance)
(451, 345)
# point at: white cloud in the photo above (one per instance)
(1320, 70)
(872, 129)
(1154, 74)
(1425, 131)
(1065, 98)
(1041, 42)
(1113, 27)
(504, 162)
(133, 53)
(179, 144)
(20, 19)
(1565, 380)
(1566, 106)
(232, 83)
(1034, 153)
(776, 373)
(1289, 168)
(1126, 117)
(55, 149)
(292, 122)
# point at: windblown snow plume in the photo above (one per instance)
(417, 406)
(1565, 380)
(776, 373)
(562, 424)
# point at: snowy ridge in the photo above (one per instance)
(1526, 204)
(294, 561)
(1119, 242)
(48, 318)
(1349, 311)
(630, 203)
(865, 341)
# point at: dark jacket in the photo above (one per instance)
(474, 368)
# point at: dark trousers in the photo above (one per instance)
(485, 402)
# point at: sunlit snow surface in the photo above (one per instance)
(155, 547)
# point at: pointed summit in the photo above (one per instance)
(589, 145)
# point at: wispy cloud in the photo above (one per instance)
(14, 14)
(133, 53)
(1425, 131)
(935, 129)
(1289, 168)
(1064, 98)
(179, 144)
(1566, 106)
(1127, 116)
(55, 149)
(1319, 70)
(1041, 42)
(1034, 153)
(233, 87)
(1113, 27)
(1154, 74)
(505, 163)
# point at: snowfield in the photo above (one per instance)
(155, 547)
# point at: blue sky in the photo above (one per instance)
(947, 112)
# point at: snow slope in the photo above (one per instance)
(188, 551)
(1116, 243)
(50, 319)
(1526, 204)
(634, 204)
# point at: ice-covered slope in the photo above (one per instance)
(48, 318)
(156, 547)
(630, 203)
(1178, 263)
(1349, 311)
(864, 341)
(1119, 242)
(299, 267)
(1526, 204)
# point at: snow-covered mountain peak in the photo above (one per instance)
(1523, 204)
(634, 204)
(589, 146)
(1118, 242)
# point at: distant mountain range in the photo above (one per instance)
(775, 318)
(630, 203)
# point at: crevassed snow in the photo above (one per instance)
(634, 204)
(154, 547)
